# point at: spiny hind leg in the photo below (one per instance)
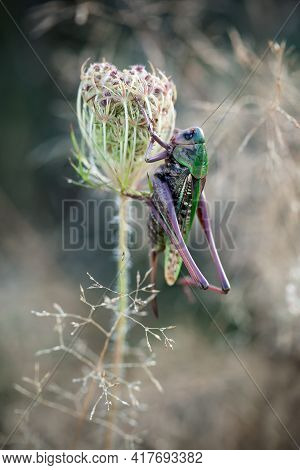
(153, 277)
(157, 240)
(203, 216)
(204, 219)
(188, 281)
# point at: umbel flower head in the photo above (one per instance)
(113, 127)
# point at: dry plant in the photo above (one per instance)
(92, 395)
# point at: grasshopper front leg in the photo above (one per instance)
(156, 158)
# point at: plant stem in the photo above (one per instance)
(120, 334)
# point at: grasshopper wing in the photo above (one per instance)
(164, 210)
(185, 212)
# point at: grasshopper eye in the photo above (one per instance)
(188, 135)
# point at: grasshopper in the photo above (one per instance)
(177, 196)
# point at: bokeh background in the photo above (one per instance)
(236, 390)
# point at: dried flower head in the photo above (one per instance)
(113, 127)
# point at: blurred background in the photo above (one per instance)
(234, 393)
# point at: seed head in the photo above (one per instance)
(114, 130)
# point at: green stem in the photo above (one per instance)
(120, 333)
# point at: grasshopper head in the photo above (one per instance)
(190, 136)
(190, 150)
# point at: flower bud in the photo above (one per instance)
(113, 126)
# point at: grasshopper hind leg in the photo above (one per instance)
(157, 240)
(204, 220)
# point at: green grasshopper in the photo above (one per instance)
(177, 196)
